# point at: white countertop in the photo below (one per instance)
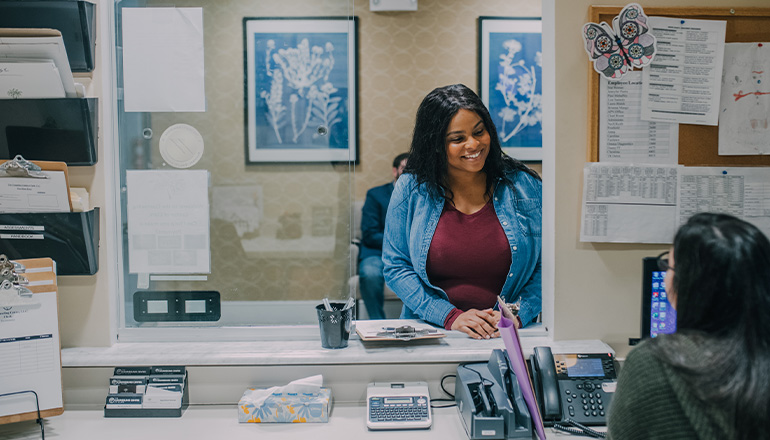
(456, 347)
(221, 422)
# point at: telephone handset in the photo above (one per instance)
(578, 387)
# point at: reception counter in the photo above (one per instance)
(220, 372)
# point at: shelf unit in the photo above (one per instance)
(56, 129)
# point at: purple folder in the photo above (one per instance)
(516, 357)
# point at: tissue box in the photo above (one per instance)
(286, 408)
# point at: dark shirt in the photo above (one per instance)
(469, 258)
(373, 220)
(653, 401)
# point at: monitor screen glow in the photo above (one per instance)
(662, 315)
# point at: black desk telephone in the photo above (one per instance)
(575, 386)
(578, 387)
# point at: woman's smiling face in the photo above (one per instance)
(467, 143)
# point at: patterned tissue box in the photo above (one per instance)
(286, 408)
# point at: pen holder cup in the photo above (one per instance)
(335, 325)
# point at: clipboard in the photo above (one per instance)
(399, 330)
(31, 322)
(22, 168)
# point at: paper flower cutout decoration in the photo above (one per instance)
(626, 45)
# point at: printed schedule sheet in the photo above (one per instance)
(739, 191)
(629, 203)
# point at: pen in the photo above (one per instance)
(327, 305)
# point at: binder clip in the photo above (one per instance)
(514, 308)
(7, 274)
(20, 167)
(405, 332)
(5, 263)
(7, 286)
(15, 298)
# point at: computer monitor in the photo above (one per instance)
(657, 314)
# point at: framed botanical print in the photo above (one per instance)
(510, 82)
(300, 89)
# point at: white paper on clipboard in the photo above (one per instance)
(30, 358)
(383, 329)
(26, 194)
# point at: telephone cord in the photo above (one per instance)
(443, 388)
(573, 427)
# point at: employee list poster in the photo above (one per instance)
(168, 221)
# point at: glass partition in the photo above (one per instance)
(244, 199)
(293, 130)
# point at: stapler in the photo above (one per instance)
(489, 400)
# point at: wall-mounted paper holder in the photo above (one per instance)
(71, 239)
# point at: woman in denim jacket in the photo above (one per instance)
(464, 221)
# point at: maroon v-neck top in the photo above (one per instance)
(469, 258)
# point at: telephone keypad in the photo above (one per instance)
(586, 399)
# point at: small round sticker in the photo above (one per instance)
(181, 146)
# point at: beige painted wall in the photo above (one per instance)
(597, 286)
(84, 301)
(405, 55)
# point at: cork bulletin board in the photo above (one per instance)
(698, 144)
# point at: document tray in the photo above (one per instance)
(56, 129)
(71, 239)
(74, 19)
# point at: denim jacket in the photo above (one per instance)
(409, 227)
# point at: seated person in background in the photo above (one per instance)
(710, 379)
(373, 213)
(464, 222)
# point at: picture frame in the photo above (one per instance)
(300, 89)
(510, 82)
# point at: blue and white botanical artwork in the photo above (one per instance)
(301, 82)
(515, 88)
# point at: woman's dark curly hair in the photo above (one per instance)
(427, 154)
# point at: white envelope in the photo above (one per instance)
(38, 44)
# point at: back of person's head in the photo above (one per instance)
(721, 283)
(722, 276)
(428, 159)
(400, 158)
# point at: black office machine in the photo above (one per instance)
(490, 401)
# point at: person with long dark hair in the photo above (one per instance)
(464, 221)
(711, 378)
